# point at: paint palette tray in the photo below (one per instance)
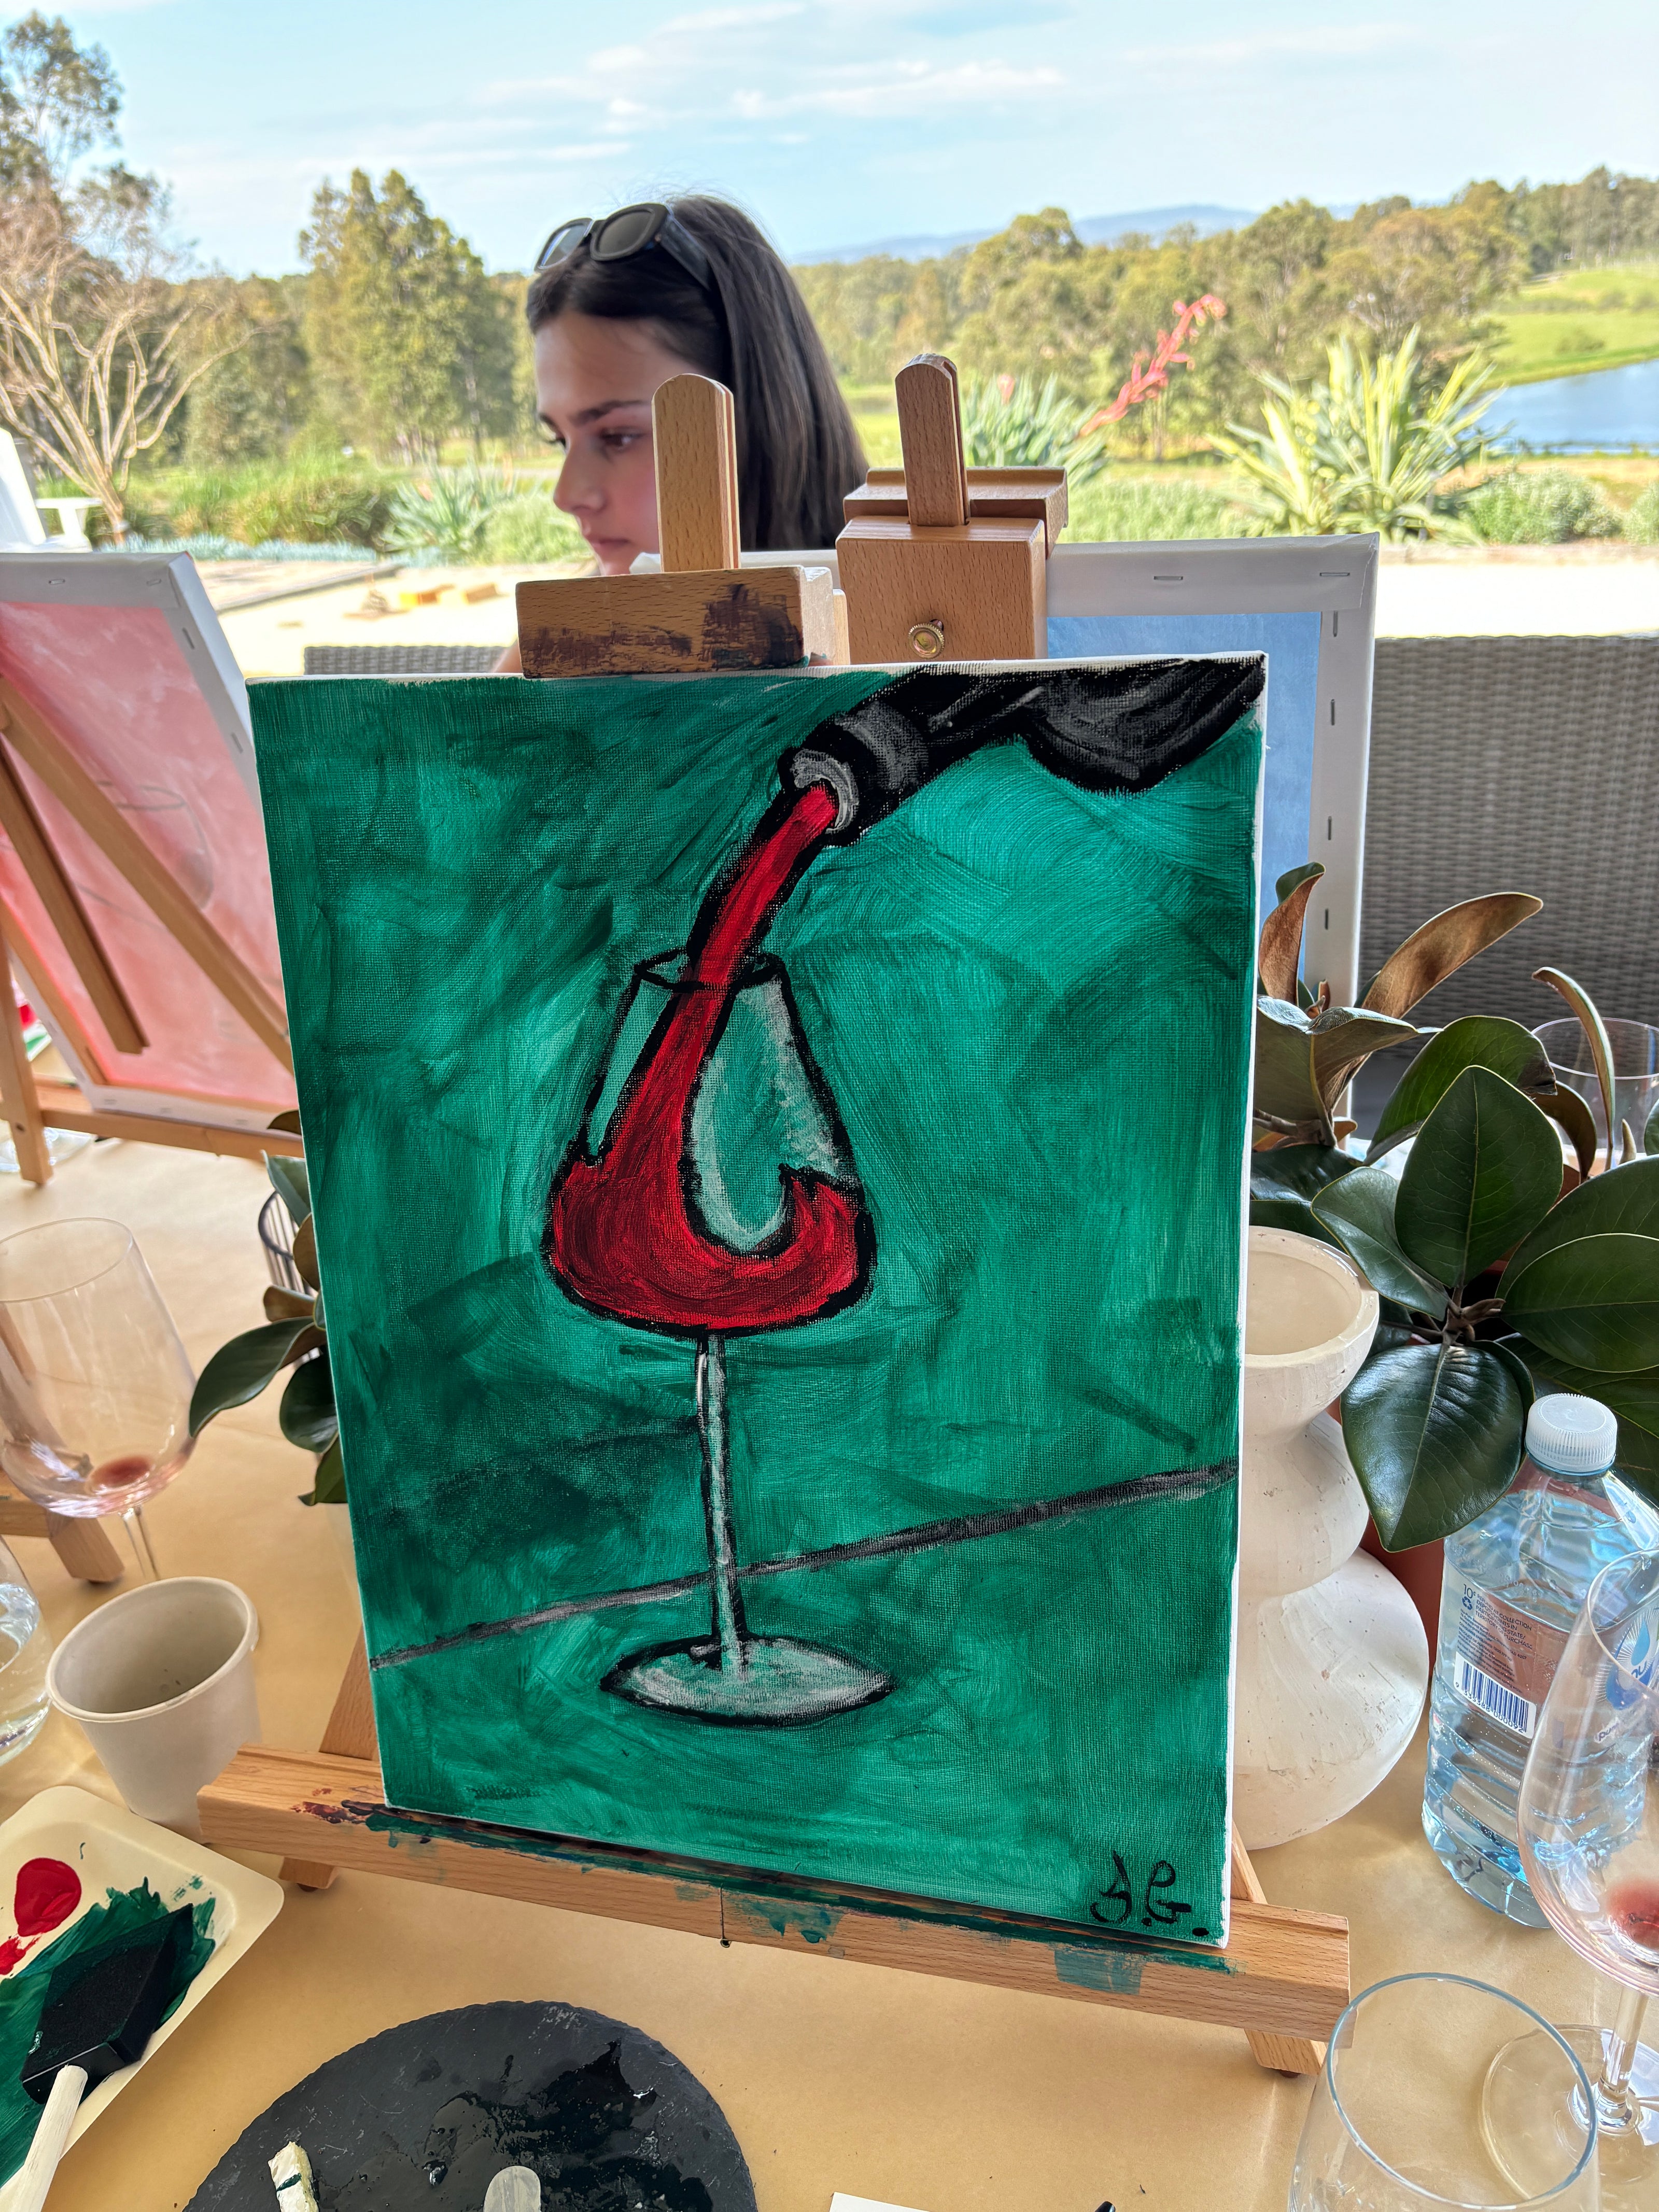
(82, 1853)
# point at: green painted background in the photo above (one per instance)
(1032, 1003)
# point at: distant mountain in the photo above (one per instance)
(1093, 230)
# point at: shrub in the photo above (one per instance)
(528, 528)
(1642, 521)
(1113, 508)
(1545, 507)
(449, 510)
(1015, 423)
(1365, 447)
(311, 503)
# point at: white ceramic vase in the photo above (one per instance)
(1333, 1663)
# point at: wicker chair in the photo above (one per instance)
(401, 659)
(1519, 763)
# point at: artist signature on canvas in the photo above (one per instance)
(1159, 1909)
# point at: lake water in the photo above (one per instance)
(1608, 409)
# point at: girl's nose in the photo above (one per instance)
(578, 490)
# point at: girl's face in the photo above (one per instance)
(594, 382)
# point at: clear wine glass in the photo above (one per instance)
(1588, 1825)
(1397, 2123)
(94, 1385)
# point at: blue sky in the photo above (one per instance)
(838, 121)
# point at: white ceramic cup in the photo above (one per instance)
(161, 1680)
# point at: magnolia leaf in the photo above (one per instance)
(305, 1252)
(1285, 1097)
(1634, 1398)
(330, 1487)
(1477, 1041)
(1359, 1211)
(288, 1121)
(1590, 1022)
(1626, 1145)
(1434, 1432)
(1280, 961)
(1567, 1107)
(289, 1181)
(1298, 1171)
(1344, 1040)
(288, 1305)
(1442, 946)
(1309, 871)
(306, 1413)
(1486, 1169)
(1594, 1302)
(1622, 1204)
(239, 1371)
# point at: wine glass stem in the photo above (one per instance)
(1614, 2105)
(143, 1550)
(717, 1504)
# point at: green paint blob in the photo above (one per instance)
(23, 1993)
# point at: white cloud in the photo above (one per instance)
(1320, 41)
(731, 19)
(898, 87)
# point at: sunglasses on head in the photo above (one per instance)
(629, 231)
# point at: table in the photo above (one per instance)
(924, 2093)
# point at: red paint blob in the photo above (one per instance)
(47, 1893)
(1633, 1908)
(11, 1951)
(619, 1236)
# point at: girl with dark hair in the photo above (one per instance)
(619, 305)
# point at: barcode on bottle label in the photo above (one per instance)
(1495, 1699)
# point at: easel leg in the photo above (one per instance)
(85, 1549)
(350, 1735)
(19, 1101)
(1282, 2054)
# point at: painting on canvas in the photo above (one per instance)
(777, 1146)
(118, 663)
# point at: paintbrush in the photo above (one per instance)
(101, 2011)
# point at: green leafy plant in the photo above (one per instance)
(1501, 1268)
(1117, 508)
(295, 1335)
(1548, 508)
(1642, 518)
(1365, 449)
(1015, 423)
(450, 509)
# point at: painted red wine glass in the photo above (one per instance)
(711, 1194)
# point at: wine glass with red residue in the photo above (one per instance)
(1588, 1824)
(94, 1385)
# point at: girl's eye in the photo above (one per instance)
(618, 442)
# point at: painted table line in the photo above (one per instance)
(1177, 1484)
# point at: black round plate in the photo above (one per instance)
(422, 2120)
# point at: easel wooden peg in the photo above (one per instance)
(936, 562)
(703, 611)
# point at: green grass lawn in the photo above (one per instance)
(1580, 319)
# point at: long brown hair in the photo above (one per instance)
(797, 452)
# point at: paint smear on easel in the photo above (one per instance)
(126, 1912)
(47, 1893)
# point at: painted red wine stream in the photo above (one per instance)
(619, 1234)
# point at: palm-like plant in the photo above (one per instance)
(1015, 423)
(1364, 449)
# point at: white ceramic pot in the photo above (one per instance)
(1333, 1663)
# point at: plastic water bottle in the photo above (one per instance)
(25, 1648)
(1514, 1580)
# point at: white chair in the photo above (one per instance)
(20, 520)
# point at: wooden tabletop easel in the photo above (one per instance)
(32, 1106)
(1283, 1978)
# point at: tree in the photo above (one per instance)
(252, 403)
(100, 341)
(57, 101)
(409, 340)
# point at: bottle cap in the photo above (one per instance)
(1571, 1436)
